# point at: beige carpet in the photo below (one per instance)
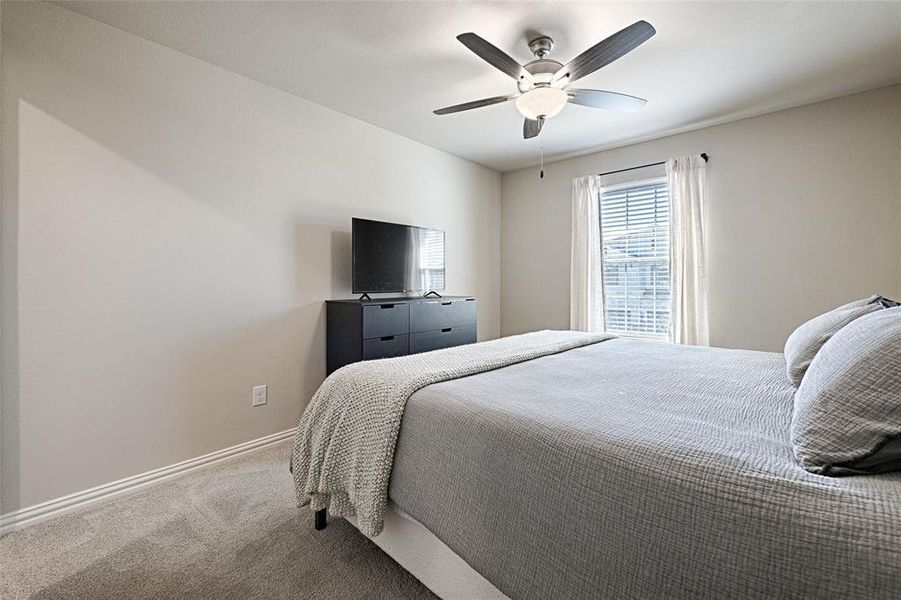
(226, 531)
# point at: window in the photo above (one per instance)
(635, 242)
(431, 259)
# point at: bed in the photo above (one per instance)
(631, 469)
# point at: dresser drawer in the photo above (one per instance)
(443, 338)
(380, 320)
(429, 316)
(386, 347)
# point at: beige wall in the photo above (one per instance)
(170, 231)
(805, 213)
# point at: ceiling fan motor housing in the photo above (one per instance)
(542, 70)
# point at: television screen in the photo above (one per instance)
(388, 257)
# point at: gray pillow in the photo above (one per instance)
(804, 342)
(847, 417)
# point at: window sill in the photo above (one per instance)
(639, 336)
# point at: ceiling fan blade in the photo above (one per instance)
(605, 99)
(474, 104)
(531, 128)
(494, 56)
(605, 52)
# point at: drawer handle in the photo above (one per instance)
(446, 330)
(387, 338)
(446, 303)
(384, 306)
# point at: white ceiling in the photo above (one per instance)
(392, 63)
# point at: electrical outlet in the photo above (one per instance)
(259, 395)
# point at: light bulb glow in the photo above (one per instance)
(541, 102)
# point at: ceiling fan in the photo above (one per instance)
(542, 83)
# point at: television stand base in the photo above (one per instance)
(429, 293)
(365, 297)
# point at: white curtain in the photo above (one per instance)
(586, 305)
(687, 182)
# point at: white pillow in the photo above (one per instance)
(805, 341)
(847, 416)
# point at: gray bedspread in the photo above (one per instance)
(634, 469)
(344, 446)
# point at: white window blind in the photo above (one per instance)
(635, 239)
(431, 259)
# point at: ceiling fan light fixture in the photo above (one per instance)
(542, 101)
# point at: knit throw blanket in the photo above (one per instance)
(344, 447)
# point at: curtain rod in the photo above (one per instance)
(662, 162)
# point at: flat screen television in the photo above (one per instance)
(389, 257)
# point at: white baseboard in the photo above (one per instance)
(45, 510)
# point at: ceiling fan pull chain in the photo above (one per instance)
(540, 156)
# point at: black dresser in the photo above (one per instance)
(385, 327)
